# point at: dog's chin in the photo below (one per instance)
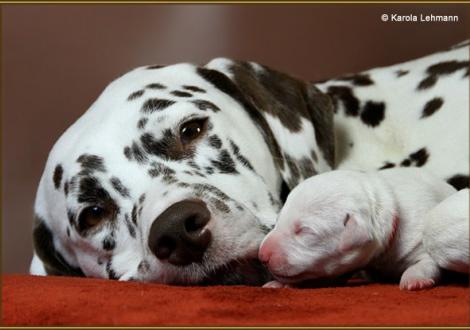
(239, 272)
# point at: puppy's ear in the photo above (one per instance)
(354, 235)
(54, 263)
(294, 116)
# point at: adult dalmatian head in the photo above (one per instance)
(174, 174)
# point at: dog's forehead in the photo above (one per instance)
(169, 77)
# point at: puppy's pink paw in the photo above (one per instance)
(416, 283)
(275, 285)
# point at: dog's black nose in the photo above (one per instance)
(179, 234)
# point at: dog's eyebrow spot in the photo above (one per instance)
(194, 88)
(152, 105)
(57, 177)
(156, 86)
(205, 105)
(181, 94)
(215, 141)
(420, 157)
(109, 243)
(91, 163)
(135, 95)
(119, 187)
(224, 163)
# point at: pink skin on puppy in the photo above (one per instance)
(342, 221)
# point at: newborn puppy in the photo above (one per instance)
(342, 221)
(446, 233)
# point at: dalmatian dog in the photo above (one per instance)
(176, 173)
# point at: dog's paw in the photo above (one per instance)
(416, 283)
(275, 285)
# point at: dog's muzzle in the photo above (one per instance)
(179, 234)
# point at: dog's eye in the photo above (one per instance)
(191, 130)
(90, 217)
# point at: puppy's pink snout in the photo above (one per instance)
(266, 250)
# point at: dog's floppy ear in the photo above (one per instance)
(43, 241)
(294, 116)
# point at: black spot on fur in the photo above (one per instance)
(135, 95)
(134, 214)
(92, 192)
(401, 73)
(441, 69)
(109, 243)
(66, 188)
(346, 96)
(236, 151)
(160, 169)
(224, 163)
(215, 142)
(459, 181)
(406, 163)
(128, 153)
(91, 163)
(141, 123)
(152, 105)
(155, 86)
(306, 167)
(387, 165)
(209, 170)
(142, 198)
(432, 106)
(110, 271)
(119, 187)
(358, 79)
(57, 177)
(68, 232)
(220, 205)
(294, 171)
(143, 266)
(373, 113)
(129, 226)
(420, 157)
(205, 105)
(427, 82)
(194, 89)
(153, 67)
(181, 94)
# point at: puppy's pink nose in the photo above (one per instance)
(264, 254)
(266, 249)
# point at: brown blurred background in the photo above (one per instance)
(56, 59)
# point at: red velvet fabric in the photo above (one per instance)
(31, 300)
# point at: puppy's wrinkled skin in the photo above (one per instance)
(343, 221)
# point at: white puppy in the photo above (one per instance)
(446, 232)
(343, 221)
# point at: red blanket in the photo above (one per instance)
(31, 300)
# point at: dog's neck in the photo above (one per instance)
(384, 214)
